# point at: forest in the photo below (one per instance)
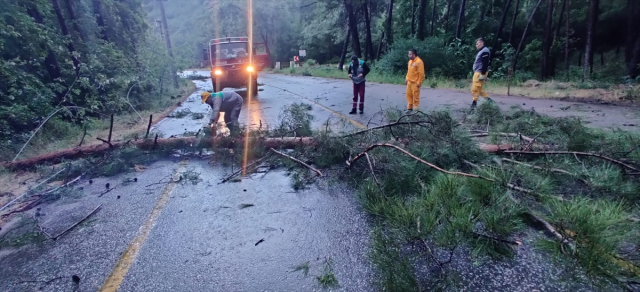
(72, 63)
(538, 39)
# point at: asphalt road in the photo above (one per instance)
(153, 235)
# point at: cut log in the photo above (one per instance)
(77, 152)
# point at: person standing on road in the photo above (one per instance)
(480, 70)
(415, 76)
(228, 102)
(358, 70)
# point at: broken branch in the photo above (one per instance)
(614, 161)
(350, 162)
(374, 174)
(77, 223)
(556, 170)
(514, 135)
(297, 160)
(105, 141)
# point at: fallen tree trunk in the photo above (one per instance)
(77, 152)
(197, 142)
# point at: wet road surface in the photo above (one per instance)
(152, 235)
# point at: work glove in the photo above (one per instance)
(482, 78)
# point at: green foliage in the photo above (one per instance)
(91, 70)
(438, 59)
(599, 229)
(295, 120)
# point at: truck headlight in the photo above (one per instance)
(218, 72)
(250, 69)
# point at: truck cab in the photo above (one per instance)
(234, 64)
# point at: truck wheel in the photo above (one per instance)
(254, 87)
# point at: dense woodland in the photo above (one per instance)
(76, 60)
(83, 59)
(542, 39)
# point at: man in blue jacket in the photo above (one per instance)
(480, 70)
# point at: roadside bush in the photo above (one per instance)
(453, 60)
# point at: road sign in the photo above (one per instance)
(303, 53)
(296, 59)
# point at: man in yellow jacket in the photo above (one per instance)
(415, 76)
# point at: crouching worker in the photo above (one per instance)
(228, 102)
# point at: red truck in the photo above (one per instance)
(233, 66)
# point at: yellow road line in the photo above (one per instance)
(113, 282)
(354, 122)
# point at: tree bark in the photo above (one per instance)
(561, 17)
(422, 11)
(353, 26)
(459, 26)
(592, 21)
(97, 10)
(547, 42)
(368, 42)
(380, 44)
(389, 25)
(632, 29)
(524, 34)
(74, 19)
(168, 41)
(413, 17)
(632, 68)
(513, 21)
(433, 18)
(503, 18)
(566, 41)
(65, 32)
(345, 47)
(446, 18)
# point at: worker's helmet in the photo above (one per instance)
(204, 96)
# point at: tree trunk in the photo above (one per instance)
(632, 29)
(634, 63)
(422, 11)
(380, 44)
(389, 25)
(74, 19)
(345, 47)
(564, 4)
(65, 32)
(368, 41)
(446, 18)
(513, 21)
(524, 34)
(413, 17)
(433, 17)
(168, 40)
(503, 18)
(353, 26)
(547, 42)
(97, 10)
(592, 21)
(459, 26)
(567, 35)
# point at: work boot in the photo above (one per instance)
(353, 111)
(361, 111)
(474, 104)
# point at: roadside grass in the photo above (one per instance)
(303, 267)
(587, 91)
(56, 134)
(328, 279)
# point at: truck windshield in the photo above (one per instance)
(227, 51)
